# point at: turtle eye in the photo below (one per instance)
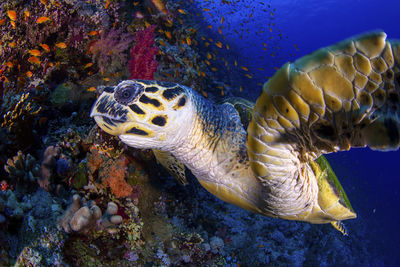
(126, 93)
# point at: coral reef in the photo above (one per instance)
(30, 234)
(50, 39)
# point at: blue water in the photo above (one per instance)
(370, 178)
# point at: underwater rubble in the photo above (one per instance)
(71, 195)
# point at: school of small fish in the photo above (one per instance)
(217, 56)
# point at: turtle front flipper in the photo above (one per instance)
(243, 107)
(172, 165)
(342, 96)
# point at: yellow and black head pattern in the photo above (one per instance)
(144, 114)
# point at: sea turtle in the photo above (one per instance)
(342, 96)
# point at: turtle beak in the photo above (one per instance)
(107, 125)
(109, 115)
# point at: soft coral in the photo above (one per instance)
(109, 50)
(142, 64)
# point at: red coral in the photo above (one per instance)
(142, 64)
(114, 177)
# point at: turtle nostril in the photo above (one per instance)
(127, 91)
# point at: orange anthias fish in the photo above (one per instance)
(93, 33)
(219, 44)
(168, 34)
(42, 20)
(34, 52)
(160, 6)
(34, 60)
(107, 4)
(61, 45)
(45, 47)
(12, 14)
(88, 65)
(2, 21)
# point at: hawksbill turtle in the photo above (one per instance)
(342, 96)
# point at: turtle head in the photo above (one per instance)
(145, 114)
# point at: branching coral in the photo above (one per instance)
(22, 170)
(19, 123)
(20, 118)
(142, 64)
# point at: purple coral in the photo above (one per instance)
(110, 50)
(62, 166)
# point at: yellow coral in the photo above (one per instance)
(21, 110)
